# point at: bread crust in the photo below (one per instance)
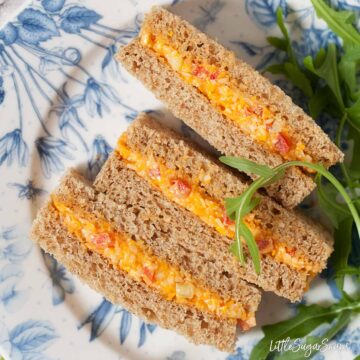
(192, 107)
(95, 271)
(187, 235)
(146, 136)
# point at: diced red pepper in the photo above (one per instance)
(154, 173)
(291, 251)
(244, 326)
(214, 75)
(264, 245)
(269, 125)
(200, 71)
(102, 240)
(226, 220)
(150, 274)
(282, 144)
(248, 111)
(180, 187)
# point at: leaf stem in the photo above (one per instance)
(336, 183)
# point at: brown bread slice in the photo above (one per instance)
(199, 327)
(187, 235)
(99, 274)
(149, 137)
(193, 107)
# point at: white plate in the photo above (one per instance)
(63, 102)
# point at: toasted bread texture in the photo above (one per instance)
(189, 235)
(199, 327)
(193, 107)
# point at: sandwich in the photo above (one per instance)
(154, 168)
(228, 103)
(140, 257)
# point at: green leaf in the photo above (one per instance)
(347, 70)
(277, 42)
(354, 113)
(354, 167)
(251, 245)
(342, 320)
(298, 77)
(327, 200)
(340, 22)
(328, 71)
(246, 166)
(232, 204)
(276, 69)
(348, 270)
(342, 248)
(307, 320)
(319, 101)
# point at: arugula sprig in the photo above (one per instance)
(246, 202)
(308, 319)
(330, 82)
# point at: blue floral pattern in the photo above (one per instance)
(28, 340)
(28, 34)
(47, 83)
(13, 249)
(104, 314)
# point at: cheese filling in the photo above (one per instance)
(190, 195)
(133, 258)
(254, 119)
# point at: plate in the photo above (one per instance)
(63, 103)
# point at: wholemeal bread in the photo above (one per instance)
(115, 285)
(194, 108)
(294, 230)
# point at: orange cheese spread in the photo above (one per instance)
(254, 119)
(133, 258)
(189, 194)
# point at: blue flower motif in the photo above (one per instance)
(35, 26)
(52, 5)
(13, 146)
(9, 34)
(28, 191)
(263, 12)
(61, 283)
(177, 355)
(144, 328)
(125, 325)
(68, 114)
(100, 318)
(350, 338)
(14, 248)
(110, 64)
(9, 233)
(52, 151)
(28, 340)
(2, 91)
(97, 96)
(209, 14)
(100, 151)
(239, 355)
(76, 18)
(11, 298)
(312, 40)
(56, 58)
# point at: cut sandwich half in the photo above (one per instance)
(120, 251)
(227, 102)
(171, 173)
